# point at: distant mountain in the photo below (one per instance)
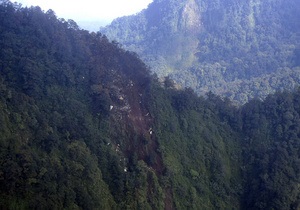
(84, 125)
(238, 49)
(92, 26)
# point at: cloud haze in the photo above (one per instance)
(102, 11)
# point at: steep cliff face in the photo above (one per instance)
(191, 17)
(213, 45)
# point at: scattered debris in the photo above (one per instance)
(130, 83)
(150, 131)
(125, 108)
(118, 148)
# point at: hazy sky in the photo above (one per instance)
(101, 11)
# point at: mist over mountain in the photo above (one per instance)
(85, 125)
(92, 26)
(237, 49)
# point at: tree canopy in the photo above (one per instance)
(84, 125)
(236, 49)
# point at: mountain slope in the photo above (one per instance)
(85, 126)
(217, 45)
(59, 140)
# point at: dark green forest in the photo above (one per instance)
(85, 125)
(236, 49)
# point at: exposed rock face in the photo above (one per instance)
(191, 17)
(213, 45)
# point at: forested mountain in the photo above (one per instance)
(237, 49)
(84, 125)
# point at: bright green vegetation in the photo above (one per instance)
(83, 125)
(236, 49)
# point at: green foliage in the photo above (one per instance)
(57, 150)
(84, 126)
(201, 154)
(272, 153)
(241, 50)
